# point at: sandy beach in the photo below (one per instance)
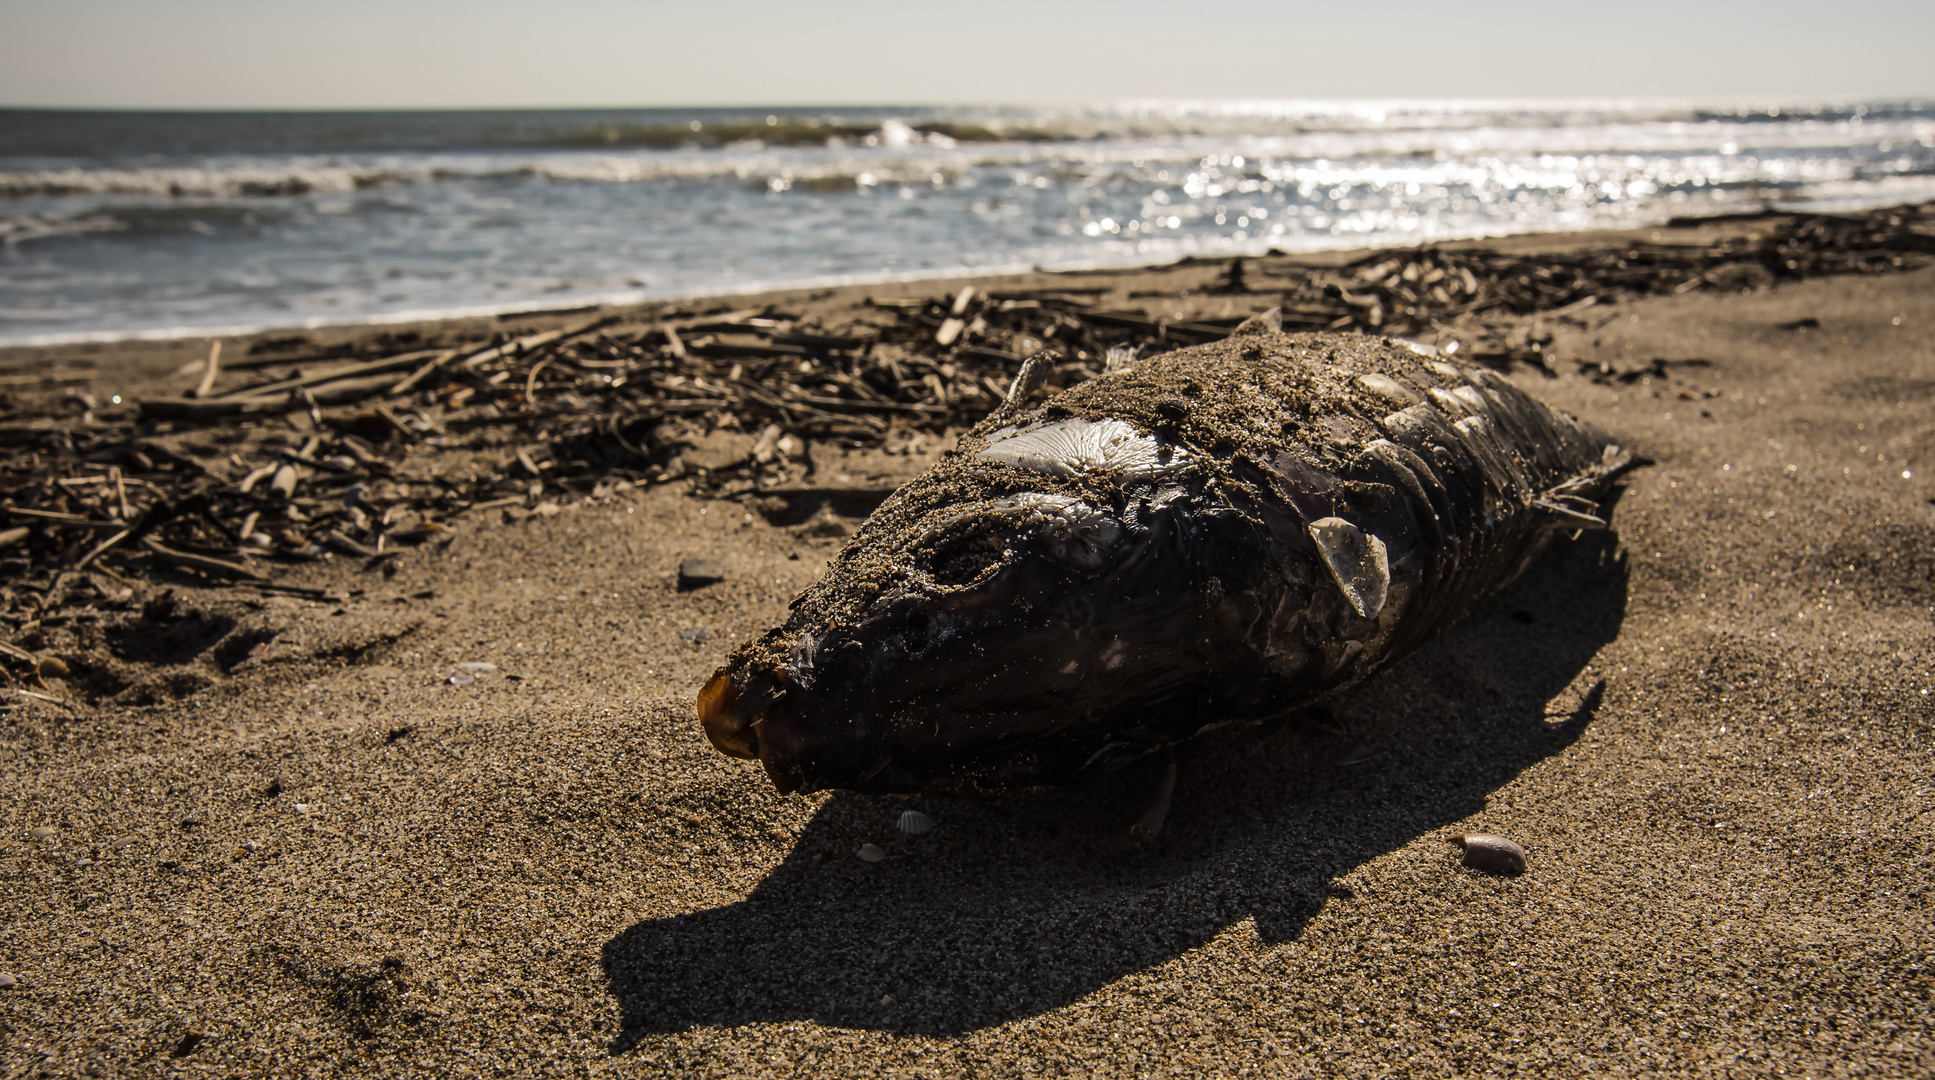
(257, 832)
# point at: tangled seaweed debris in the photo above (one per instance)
(294, 454)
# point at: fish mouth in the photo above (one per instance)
(730, 733)
(753, 722)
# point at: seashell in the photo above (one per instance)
(914, 823)
(1492, 854)
(870, 853)
(51, 667)
(283, 483)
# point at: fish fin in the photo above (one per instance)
(1358, 562)
(1568, 504)
(1263, 322)
(1034, 371)
(1563, 516)
(1616, 459)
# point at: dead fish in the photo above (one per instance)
(1216, 535)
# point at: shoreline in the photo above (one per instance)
(1315, 254)
(186, 343)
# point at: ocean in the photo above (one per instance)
(128, 224)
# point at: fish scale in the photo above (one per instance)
(1217, 535)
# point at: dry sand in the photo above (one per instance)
(1711, 731)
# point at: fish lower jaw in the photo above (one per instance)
(784, 773)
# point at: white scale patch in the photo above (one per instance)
(1076, 447)
(1358, 564)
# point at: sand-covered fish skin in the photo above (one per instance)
(1219, 534)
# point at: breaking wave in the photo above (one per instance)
(123, 223)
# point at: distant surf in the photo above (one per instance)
(143, 224)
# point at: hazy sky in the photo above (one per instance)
(404, 53)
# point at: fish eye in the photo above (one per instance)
(965, 556)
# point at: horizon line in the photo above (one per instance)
(1470, 101)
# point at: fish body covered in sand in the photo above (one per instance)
(1219, 534)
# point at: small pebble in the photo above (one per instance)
(462, 678)
(7, 981)
(870, 853)
(1492, 854)
(696, 572)
(477, 665)
(914, 823)
(41, 833)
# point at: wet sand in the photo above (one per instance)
(1710, 729)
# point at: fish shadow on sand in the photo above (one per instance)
(1014, 907)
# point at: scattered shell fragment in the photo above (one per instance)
(7, 981)
(41, 833)
(52, 667)
(461, 678)
(1492, 854)
(914, 823)
(870, 853)
(284, 482)
(477, 665)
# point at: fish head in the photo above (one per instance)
(920, 654)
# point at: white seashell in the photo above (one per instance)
(870, 853)
(914, 823)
